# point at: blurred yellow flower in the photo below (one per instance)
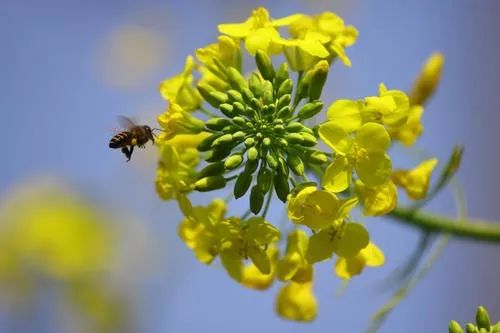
(412, 129)
(378, 200)
(371, 256)
(179, 89)
(296, 301)
(415, 181)
(293, 265)
(253, 278)
(426, 83)
(176, 121)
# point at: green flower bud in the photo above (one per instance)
(218, 153)
(310, 110)
(251, 166)
(285, 88)
(482, 318)
(235, 96)
(217, 124)
(220, 65)
(252, 154)
(282, 142)
(309, 140)
(255, 85)
(470, 328)
(284, 101)
(247, 95)
(264, 65)
(279, 128)
(496, 328)
(281, 74)
(302, 88)
(230, 129)
(294, 138)
(454, 327)
(240, 121)
(282, 166)
(227, 110)
(213, 169)
(264, 179)
(239, 109)
(294, 127)
(236, 80)
(249, 142)
(206, 144)
(255, 104)
(239, 136)
(316, 157)
(295, 163)
(284, 112)
(216, 70)
(210, 183)
(242, 184)
(281, 186)
(266, 142)
(318, 79)
(268, 97)
(233, 161)
(256, 199)
(223, 140)
(272, 160)
(213, 97)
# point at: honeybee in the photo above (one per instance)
(133, 135)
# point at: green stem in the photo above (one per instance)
(268, 203)
(469, 229)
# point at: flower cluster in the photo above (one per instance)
(256, 133)
(483, 324)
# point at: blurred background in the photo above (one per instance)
(68, 68)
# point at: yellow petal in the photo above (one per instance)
(416, 181)
(346, 114)
(378, 200)
(354, 238)
(373, 137)
(335, 137)
(337, 176)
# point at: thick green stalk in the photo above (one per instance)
(468, 229)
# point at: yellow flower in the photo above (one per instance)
(428, 80)
(345, 239)
(317, 209)
(293, 265)
(178, 121)
(332, 27)
(415, 181)
(303, 54)
(390, 108)
(258, 31)
(296, 301)
(253, 278)
(378, 200)
(411, 131)
(370, 256)
(179, 89)
(199, 230)
(363, 150)
(53, 232)
(175, 174)
(242, 240)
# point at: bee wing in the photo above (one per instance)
(126, 122)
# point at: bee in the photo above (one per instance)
(133, 135)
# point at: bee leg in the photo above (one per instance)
(128, 153)
(131, 149)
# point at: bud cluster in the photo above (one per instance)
(260, 133)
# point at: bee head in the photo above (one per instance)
(149, 133)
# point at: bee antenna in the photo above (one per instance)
(158, 129)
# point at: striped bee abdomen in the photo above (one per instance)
(121, 139)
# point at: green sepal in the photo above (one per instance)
(239, 109)
(264, 65)
(302, 90)
(285, 88)
(256, 199)
(272, 160)
(210, 183)
(247, 95)
(454, 327)
(294, 127)
(294, 138)
(267, 96)
(316, 157)
(242, 184)
(223, 140)
(471, 328)
(283, 101)
(213, 169)
(265, 179)
(482, 318)
(281, 186)
(310, 109)
(285, 112)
